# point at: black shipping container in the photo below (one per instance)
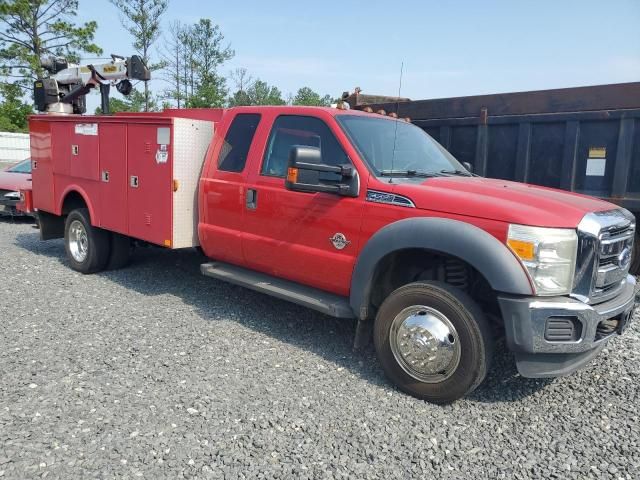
(584, 139)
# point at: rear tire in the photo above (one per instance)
(120, 254)
(87, 246)
(433, 341)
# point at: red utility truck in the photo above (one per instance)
(353, 214)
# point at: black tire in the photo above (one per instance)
(473, 330)
(97, 243)
(121, 249)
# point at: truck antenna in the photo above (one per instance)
(395, 133)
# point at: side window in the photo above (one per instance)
(292, 130)
(234, 151)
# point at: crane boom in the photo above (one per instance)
(65, 89)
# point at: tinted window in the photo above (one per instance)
(233, 155)
(22, 167)
(291, 130)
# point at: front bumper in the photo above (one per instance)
(526, 321)
(9, 207)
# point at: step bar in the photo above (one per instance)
(319, 300)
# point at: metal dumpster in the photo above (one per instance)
(584, 139)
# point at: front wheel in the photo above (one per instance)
(433, 341)
(87, 246)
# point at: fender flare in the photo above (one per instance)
(80, 191)
(478, 248)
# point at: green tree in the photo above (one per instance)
(210, 92)
(306, 96)
(260, 93)
(13, 111)
(243, 82)
(172, 55)
(141, 18)
(239, 99)
(193, 55)
(209, 54)
(32, 29)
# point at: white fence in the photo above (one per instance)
(13, 147)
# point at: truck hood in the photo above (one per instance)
(502, 200)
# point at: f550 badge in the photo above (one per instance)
(339, 241)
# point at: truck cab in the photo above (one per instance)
(408, 228)
(365, 216)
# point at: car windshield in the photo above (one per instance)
(22, 167)
(416, 153)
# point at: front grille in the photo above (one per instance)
(604, 254)
(614, 258)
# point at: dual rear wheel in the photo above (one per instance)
(91, 249)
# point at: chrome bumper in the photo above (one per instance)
(526, 327)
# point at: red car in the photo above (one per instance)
(13, 179)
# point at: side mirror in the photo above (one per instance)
(305, 161)
(468, 166)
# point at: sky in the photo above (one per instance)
(448, 49)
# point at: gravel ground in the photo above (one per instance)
(157, 372)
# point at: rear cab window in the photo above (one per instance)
(237, 142)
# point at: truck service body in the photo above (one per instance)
(352, 214)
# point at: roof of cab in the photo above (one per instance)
(299, 108)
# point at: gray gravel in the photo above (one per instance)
(157, 372)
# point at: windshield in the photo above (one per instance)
(22, 167)
(416, 152)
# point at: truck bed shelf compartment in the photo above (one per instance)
(137, 174)
(318, 300)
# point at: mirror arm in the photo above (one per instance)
(347, 171)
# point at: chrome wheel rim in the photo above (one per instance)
(78, 241)
(425, 344)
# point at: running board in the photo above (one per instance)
(324, 302)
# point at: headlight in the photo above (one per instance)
(12, 195)
(549, 255)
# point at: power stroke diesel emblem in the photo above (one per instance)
(339, 241)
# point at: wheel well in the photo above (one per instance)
(410, 265)
(72, 201)
(52, 226)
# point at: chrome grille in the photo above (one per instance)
(604, 254)
(614, 257)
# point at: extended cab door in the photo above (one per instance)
(222, 188)
(310, 238)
